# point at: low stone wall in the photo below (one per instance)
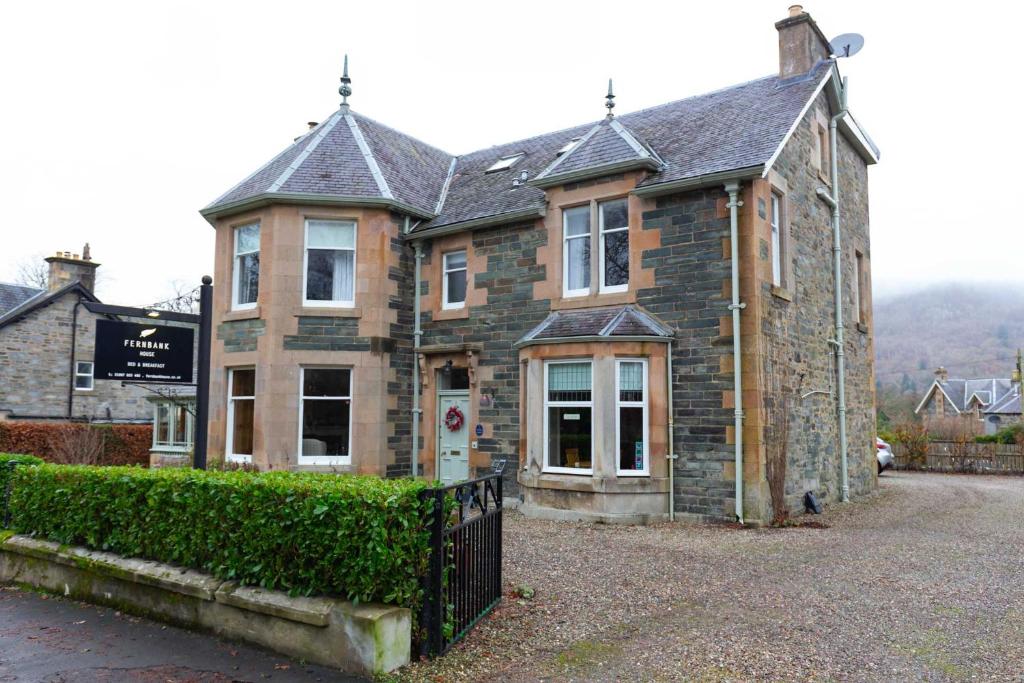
(364, 639)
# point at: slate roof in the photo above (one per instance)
(352, 156)
(41, 299)
(12, 296)
(610, 322)
(993, 394)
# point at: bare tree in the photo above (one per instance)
(184, 299)
(77, 445)
(33, 272)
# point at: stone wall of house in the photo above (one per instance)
(35, 370)
(796, 327)
(399, 383)
(689, 269)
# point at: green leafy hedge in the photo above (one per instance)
(360, 537)
(5, 468)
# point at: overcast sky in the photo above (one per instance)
(119, 121)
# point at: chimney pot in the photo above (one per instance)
(796, 10)
(313, 124)
(942, 374)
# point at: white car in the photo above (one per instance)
(885, 459)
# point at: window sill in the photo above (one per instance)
(824, 177)
(329, 312)
(241, 314)
(451, 314)
(591, 300)
(861, 327)
(782, 293)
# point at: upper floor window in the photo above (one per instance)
(83, 376)
(860, 288)
(454, 283)
(776, 240)
(823, 149)
(246, 282)
(613, 218)
(576, 251)
(330, 263)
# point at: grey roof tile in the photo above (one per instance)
(991, 391)
(615, 321)
(12, 296)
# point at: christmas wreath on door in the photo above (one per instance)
(454, 419)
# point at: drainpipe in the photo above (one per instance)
(837, 264)
(71, 358)
(733, 188)
(671, 438)
(416, 334)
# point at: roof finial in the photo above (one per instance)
(610, 99)
(346, 89)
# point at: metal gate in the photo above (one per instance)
(463, 581)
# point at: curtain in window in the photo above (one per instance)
(331, 261)
(569, 377)
(631, 376)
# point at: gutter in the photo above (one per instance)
(733, 188)
(590, 338)
(498, 219)
(837, 264)
(266, 198)
(699, 181)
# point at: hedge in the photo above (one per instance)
(125, 444)
(5, 469)
(363, 538)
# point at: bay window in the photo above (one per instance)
(325, 416)
(241, 414)
(568, 417)
(330, 263)
(576, 251)
(631, 417)
(246, 280)
(613, 219)
(454, 282)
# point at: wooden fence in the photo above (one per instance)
(952, 456)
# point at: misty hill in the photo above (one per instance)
(973, 330)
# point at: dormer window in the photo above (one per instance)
(504, 163)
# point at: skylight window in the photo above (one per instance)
(504, 163)
(569, 145)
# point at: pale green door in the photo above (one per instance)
(453, 445)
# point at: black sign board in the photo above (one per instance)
(143, 353)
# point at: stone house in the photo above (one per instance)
(47, 349)
(619, 313)
(972, 406)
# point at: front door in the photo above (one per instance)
(453, 435)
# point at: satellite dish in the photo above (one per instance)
(846, 45)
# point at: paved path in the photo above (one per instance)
(49, 639)
(923, 581)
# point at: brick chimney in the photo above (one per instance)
(66, 267)
(941, 374)
(801, 43)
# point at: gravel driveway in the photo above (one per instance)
(922, 581)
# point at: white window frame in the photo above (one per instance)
(91, 374)
(445, 270)
(229, 454)
(776, 223)
(171, 420)
(610, 289)
(305, 264)
(589, 235)
(329, 460)
(235, 305)
(569, 404)
(619, 403)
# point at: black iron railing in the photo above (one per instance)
(463, 581)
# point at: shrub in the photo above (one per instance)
(363, 538)
(5, 469)
(122, 444)
(1007, 435)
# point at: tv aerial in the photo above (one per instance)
(846, 45)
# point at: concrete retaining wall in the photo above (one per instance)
(363, 639)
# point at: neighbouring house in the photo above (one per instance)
(973, 406)
(581, 306)
(47, 371)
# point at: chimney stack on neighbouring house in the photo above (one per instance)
(66, 268)
(942, 374)
(801, 43)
